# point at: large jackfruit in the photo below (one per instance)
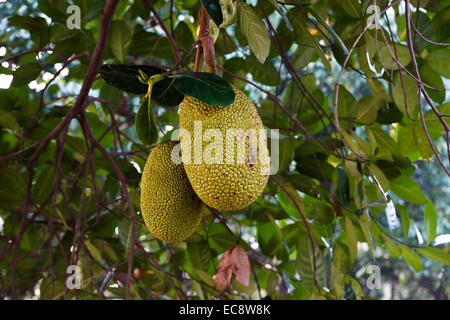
(219, 183)
(170, 208)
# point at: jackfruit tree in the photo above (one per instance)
(122, 122)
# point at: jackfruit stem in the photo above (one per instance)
(206, 44)
(150, 81)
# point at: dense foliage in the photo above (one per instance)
(364, 123)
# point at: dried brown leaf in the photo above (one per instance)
(224, 270)
(241, 265)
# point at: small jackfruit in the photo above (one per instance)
(223, 176)
(170, 208)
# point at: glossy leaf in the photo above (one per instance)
(120, 39)
(214, 10)
(432, 78)
(199, 254)
(430, 218)
(408, 189)
(7, 120)
(406, 94)
(343, 187)
(146, 126)
(351, 238)
(391, 246)
(299, 22)
(254, 31)
(125, 78)
(439, 61)
(206, 87)
(436, 255)
(367, 110)
(309, 264)
(412, 258)
(25, 74)
(37, 26)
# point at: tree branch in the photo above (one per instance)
(206, 44)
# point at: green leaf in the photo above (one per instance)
(434, 125)
(303, 183)
(53, 9)
(286, 153)
(25, 74)
(422, 142)
(430, 219)
(347, 108)
(12, 188)
(93, 250)
(7, 120)
(199, 254)
(224, 43)
(120, 39)
(269, 239)
(367, 110)
(148, 43)
(183, 36)
(229, 12)
(341, 49)
(214, 10)
(205, 277)
(406, 141)
(439, 61)
(436, 255)
(111, 94)
(281, 10)
(206, 87)
(221, 236)
(391, 247)
(432, 78)
(44, 185)
(439, 24)
(408, 190)
(146, 126)
(38, 28)
(403, 55)
(408, 90)
(411, 257)
(381, 177)
(299, 23)
(364, 222)
(341, 263)
(254, 31)
(125, 229)
(377, 89)
(389, 114)
(264, 73)
(383, 139)
(309, 263)
(4, 70)
(302, 56)
(287, 204)
(352, 7)
(352, 242)
(343, 187)
(404, 218)
(125, 78)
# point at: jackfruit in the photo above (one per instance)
(170, 208)
(222, 180)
